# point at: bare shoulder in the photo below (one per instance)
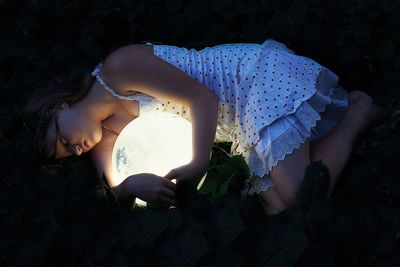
(128, 60)
(133, 68)
(119, 55)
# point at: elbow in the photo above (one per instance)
(206, 99)
(213, 98)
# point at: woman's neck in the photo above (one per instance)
(99, 104)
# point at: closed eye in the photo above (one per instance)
(63, 141)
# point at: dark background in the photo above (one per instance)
(61, 214)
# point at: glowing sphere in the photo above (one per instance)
(152, 143)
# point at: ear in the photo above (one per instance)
(64, 105)
(60, 107)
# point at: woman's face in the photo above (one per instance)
(73, 131)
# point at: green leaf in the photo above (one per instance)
(174, 219)
(221, 177)
(389, 6)
(209, 187)
(120, 260)
(76, 233)
(141, 228)
(223, 187)
(189, 201)
(295, 216)
(385, 51)
(101, 245)
(184, 248)
(223, 227)
(49, 226)
(322, 236)
(27, 254)
(283, 245)
(315, 184)
(8, 239)
(111, 197)
(322, 210)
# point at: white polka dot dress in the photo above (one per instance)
(270, 99)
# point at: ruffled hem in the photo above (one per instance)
(312, 120)
(302, 122)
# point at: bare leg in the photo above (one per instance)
(288, 174)
(335, 148)
(272, 201)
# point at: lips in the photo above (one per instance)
(85, 145)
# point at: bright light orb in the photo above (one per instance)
(155, 142)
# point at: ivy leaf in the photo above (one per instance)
(315, 184)
(360, 31)
(111, 197)
(190, 202)
(184, 248)
(174, 218)
(389, 6)
(247, 8)
(49, 226)
(282, 245)
(8, 239)
(174, 7)
(322, 235)
(27, 254)
(322, 210)
(224, 186)
(141, 228)
(100, 247)
(120, 260)
(223, 227)
(384, 52)
(76, 233)
(222, 176)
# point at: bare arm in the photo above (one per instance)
(101, 155)
(146, 186)
(130, 68)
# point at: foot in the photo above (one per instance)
(362, 112)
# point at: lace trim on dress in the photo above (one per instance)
(145, 101)
(96, 73)
(308, 114)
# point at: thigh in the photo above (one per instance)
(288, 174)
(272, 201)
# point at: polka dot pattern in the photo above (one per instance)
(256, 85)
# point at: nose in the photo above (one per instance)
(76, 150)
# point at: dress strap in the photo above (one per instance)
(146, 102)
(96, 73)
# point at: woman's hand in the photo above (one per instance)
(188, 171)
(151, 188)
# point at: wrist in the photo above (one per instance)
(121, 191)
(198, 169)
(202, 163)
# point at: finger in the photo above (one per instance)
(169, 193)
(164, 201)
(170, 185)
(172, 175)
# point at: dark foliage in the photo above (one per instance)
(61, 214)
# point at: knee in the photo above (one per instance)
(289, 198)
